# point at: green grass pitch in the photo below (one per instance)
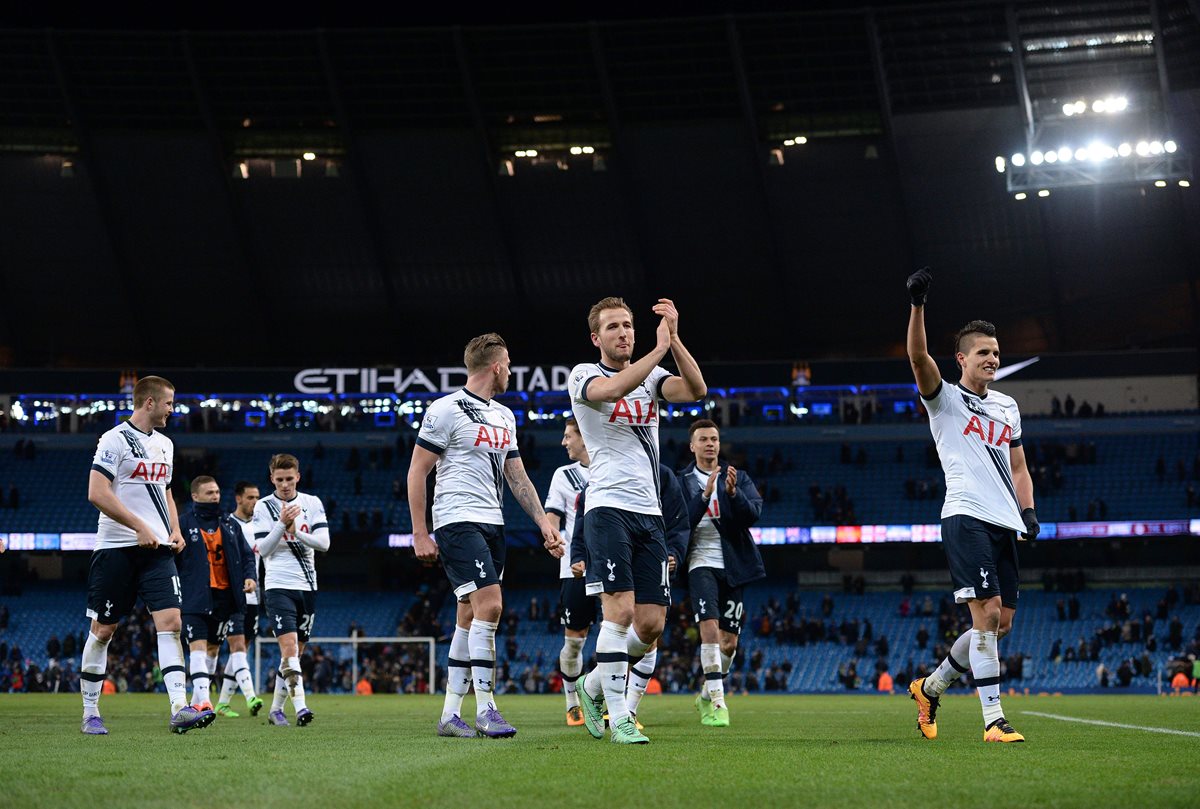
(810, 751)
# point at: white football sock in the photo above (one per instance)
(639, 678)
(281, 691)
(295, 684)
(985, 669)
(170, 663)
(482, 642)
(570, 664)
(714, 687)
(93, 664)
(198, 664)
(954, 665)
(458, 673)
(612, 668)
(239, 664)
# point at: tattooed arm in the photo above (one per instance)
(523, 491)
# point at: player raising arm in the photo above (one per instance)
(615, 402)
(989, 501)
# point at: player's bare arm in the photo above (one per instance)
(924, 368)
(689, 386)
(1023, 481)
(418, 471)
(621, 384)
(102, 496)
(524, 493)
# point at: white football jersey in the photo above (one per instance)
(621, 439)
(472, 438)
(706, 549)
(561, 499)
(973, 435)
(291, 566)
(248, 532)
(139, 466)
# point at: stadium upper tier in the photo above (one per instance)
(1108, 469)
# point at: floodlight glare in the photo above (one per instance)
(1119, 104)
(1099, 105)
(1124, 150)
(1143, 148)
(789, 142)
(1068, 110)
(576, 150)
(1081, 153)
(1044, 193)
(1064, 154)
(801, 140)
(1156, 147)
(1160, 183)
(1051, 157)
(1018, 160)
(309, 155)
(1019, 195)
(1080, 107)
(1184, 184)
(531, 152)
(519, 153)
(1036, 158)
(1000, 165)
(1170, 146)
(589, 150)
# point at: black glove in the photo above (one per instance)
(918, 285)
(1032, 527)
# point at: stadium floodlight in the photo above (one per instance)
(1170, 147)
(789, 142)
(1160, 183)
(309, 155)
(589, 149)
(519, 153)
(531, 152)
(1124, 150)
(1044, 192)
(1036, 158)
(1068, 109)
(1020, 195)
(801, 140)
(1065, 154)
(1156, 147)
(1081, 153)
(576, 150)
(1143, 148)
(1184, 184)
(1018, 160)
(1051, 156)
(1118, 104)
(1099, 105)
(999, 164)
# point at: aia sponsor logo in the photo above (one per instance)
(150, 472)
(493, 437)
(988, 435)
(637, 412)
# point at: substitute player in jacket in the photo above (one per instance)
(989, 503)
(216, 572)
(723, 504)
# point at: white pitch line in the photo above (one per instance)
(1172, 731)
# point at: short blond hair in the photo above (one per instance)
(283, 461)
(150, 387)
(607, 303)
(483, 351)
